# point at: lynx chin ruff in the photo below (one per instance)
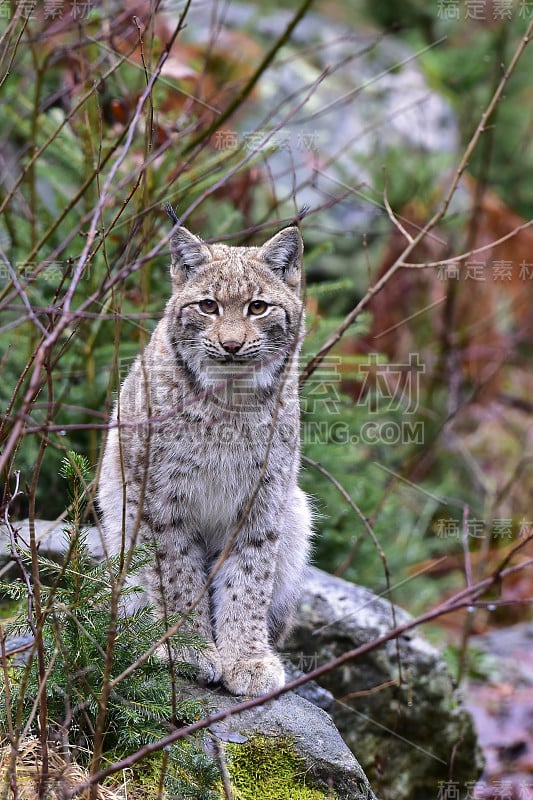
(203, 455)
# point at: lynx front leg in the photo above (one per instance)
(242, 597)
(177, 579)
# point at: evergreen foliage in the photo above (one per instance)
(145, 705)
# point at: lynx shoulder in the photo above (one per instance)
(202, 457)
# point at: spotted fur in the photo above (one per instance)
(204, 446)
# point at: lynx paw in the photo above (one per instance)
(207, 662)
(254, 676)
(209, 665)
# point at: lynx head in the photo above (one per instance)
(236, 311)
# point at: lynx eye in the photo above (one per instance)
(208, 306)
(257, 307)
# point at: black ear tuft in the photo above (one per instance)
(283, 254)
(172, 214)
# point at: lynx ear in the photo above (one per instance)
(188, 252)
(283, 254)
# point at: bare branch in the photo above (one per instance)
(393, 218)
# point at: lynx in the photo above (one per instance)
(203, 452)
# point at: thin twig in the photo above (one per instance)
(474, 252)
(221, 761)
(14, 550)
(393, 218)
(353, 505)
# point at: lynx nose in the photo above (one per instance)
(231, 346)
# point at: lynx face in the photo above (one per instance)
(235, 312)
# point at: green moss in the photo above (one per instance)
(269, 767)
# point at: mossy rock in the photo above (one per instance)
(270, 767)
(409, 738)
(287, 749)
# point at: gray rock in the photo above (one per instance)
(311, 690)
(292, 721)
(409, 736)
